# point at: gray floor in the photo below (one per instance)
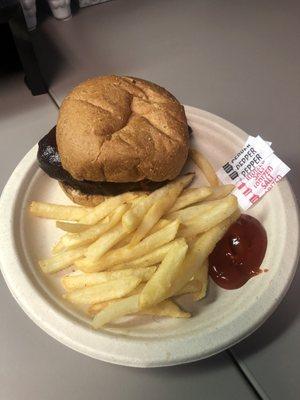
(238, 59)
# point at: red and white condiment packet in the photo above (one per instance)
(254, 170)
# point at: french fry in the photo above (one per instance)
(61, 260)
(198, 285)
(165, 198)
(133, 304)
(73, 282)
(126, 254)
(208, 220)
(186, 214)
(71, 227)
(123, 242)
(141, 197)
(158, 287)
(219, 192)
(159, 225)
(129, 305)
(105, 242)
(199, 252)
(70, 241)
(95, 308)
(166, 308)
(191, 196)
(55, 211)
(104, 291)
(106, 207)
(127, 239)
(152, 258)
(193, 212)
(151, 218)
(193, 286)
(201, 276)
(133, 217)
(204, 165)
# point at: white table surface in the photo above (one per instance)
(237, 59)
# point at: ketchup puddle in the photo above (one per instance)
(238, 256)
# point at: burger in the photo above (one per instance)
(115, 134)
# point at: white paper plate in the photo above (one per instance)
(219, 321)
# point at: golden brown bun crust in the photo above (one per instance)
(122, 129)
(87, 200)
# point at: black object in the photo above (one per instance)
(10, 61)
(49, 160)
(11, 15)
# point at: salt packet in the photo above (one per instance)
(254, 170)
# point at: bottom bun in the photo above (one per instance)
(88, 200)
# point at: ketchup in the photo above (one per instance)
(238, 256)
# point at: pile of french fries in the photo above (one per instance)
(136, 253)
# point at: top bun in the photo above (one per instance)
(122, 129)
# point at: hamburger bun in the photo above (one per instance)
(121, 129)
(86, 200)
